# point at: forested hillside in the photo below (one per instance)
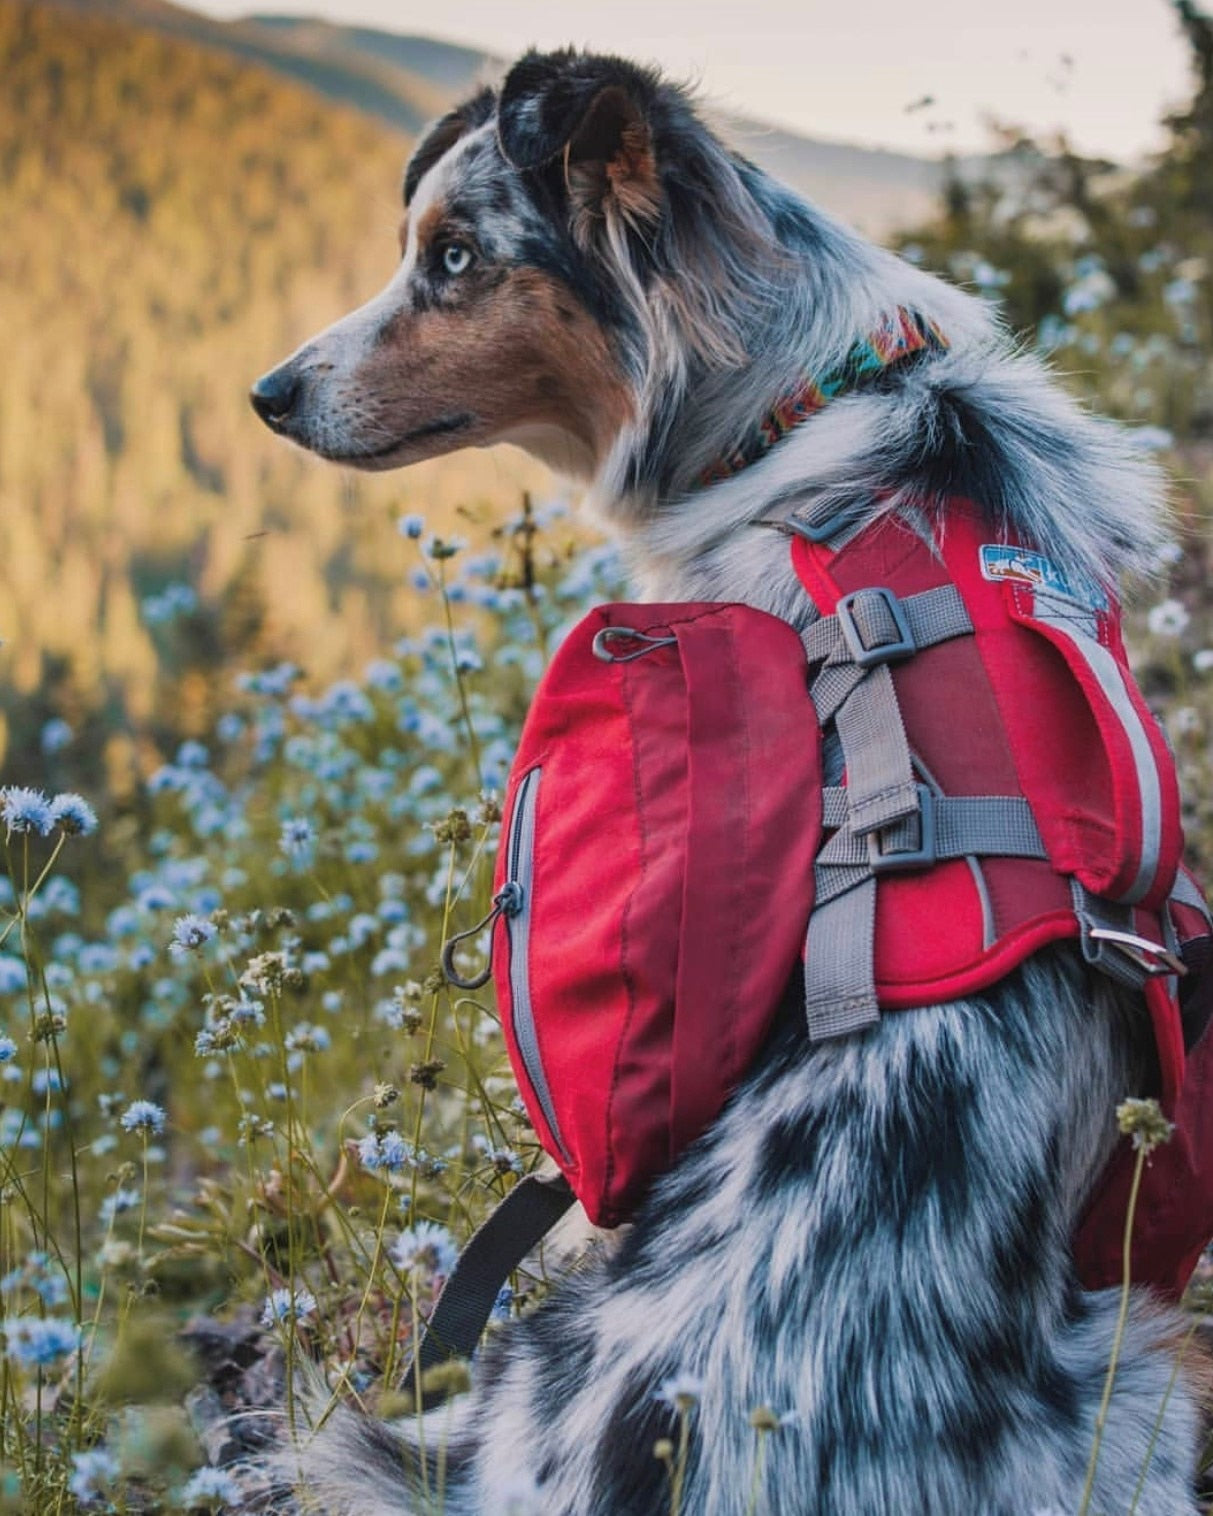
(174, 222)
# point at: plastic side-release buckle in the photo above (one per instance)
(887, 855)
(901, 645)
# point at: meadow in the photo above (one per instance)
(259, 718)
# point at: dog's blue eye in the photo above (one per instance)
(456, 256)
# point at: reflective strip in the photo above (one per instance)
(1061, 616)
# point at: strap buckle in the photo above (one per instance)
(1152, 958)
(823, 529)
(901, 646)
(894, 859)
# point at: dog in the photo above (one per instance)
(873, 1240)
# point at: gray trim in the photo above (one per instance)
(521, 871)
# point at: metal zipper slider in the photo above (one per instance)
(506, 902)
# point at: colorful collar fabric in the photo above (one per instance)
(898, 338)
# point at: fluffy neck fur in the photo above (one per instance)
(794, 290)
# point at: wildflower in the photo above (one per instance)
(72, 814)
(8, 1048)
(91, 1473)
(12, 974)
(56, 734)
(209, 1485)
(368, 1152)
(412, 527)
(385, 1094)
(25, 810)
(426, 1247)
(288, 1305)
(306, 1038)
(681, 1392)
(117, 1204)
(393, 1151)
(1144, 1123)
(40, 1344)
(190, 934)
(426, 1074)
(298, 839)
(218, 1037)
(143, 1116)
(1169, 618)
(266, 973)
(1202, 661)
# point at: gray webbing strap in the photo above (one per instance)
(880, 779)
(522, 1220)
(959, 826)
(840, 975)
(1098, 915)
(882, 812)
(869, 629)
(1186, 891)
(930, 617)
(839, 967)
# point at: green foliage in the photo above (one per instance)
(175, 222)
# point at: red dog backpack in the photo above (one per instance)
(670, 851)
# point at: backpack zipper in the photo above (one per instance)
(521, 869)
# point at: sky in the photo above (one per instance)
(920, 75)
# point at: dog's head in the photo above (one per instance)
(555, 234)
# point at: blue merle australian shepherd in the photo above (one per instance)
(874, 1236)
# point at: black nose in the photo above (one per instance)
(274, 395)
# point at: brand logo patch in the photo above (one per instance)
(1023, 566)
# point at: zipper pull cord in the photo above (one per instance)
(506, 902)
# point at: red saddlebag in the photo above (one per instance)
(638, 976)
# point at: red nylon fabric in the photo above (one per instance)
(1011, 710)
(672, 882)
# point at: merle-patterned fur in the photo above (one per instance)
(873, 1238)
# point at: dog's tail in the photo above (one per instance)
(342, 1462)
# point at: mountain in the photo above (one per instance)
(406, 80)
(177, 219)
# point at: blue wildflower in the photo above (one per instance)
(412, 527)
(12, 974)
(425, 1248)
(208, 1485)
(298, 839)
(190, 934)
(192, 755)
(71, 813)
(91, 1473)
(56, 734)
(394, 1152)
(8, 1048)
(143, 1116)
(25, 810)
(288, 1305)
(40, 1344)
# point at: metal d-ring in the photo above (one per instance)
(600, 649)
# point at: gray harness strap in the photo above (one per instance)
(884, 820)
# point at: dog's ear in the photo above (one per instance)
(592, 115)
(443, 135)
